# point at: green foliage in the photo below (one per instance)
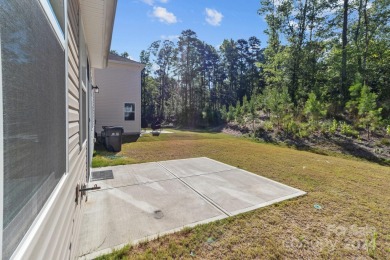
(353, 104)
(245, 105)
(333, 128)
(347, 130)
(314, 108)
(278, 102)
(268, 126)
(238, 113)
(369, 114)
(371, 244)
(231, 114)
(388, 130)
(224, 113)
(290, 125)
(302, 68)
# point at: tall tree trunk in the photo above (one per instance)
(298, 54)
(357, 34)
(344, 87)
(367, 41)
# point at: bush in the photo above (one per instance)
(325, 126)
(348, 130)
(268, 126)
(314, 108)
(334, 127)
(230, 114)
(291, 127)
(388, 130)
(303, 133)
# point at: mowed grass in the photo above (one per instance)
(354, 221)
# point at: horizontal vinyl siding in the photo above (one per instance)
(118, 85)
(77, 156)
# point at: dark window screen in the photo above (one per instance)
(33, 68)
(129, 111)
(84, 115)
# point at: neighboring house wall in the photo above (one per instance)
(118, 84)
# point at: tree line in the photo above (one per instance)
(324, 60)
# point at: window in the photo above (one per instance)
(84, 116)
(34, 116)
(84, 83)
(129, 111)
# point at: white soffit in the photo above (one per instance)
(98, 20)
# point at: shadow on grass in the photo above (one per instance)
(130, 138)
(346, 147)
(101, 149)
(349, 147)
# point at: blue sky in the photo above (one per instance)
(140, 22)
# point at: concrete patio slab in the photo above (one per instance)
(194, 166)
(151, 199)
(125, 175)
(122, 215)
(237, 191)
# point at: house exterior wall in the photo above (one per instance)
(45, 149)
(54, 232)
(77, 151)
(118, 84)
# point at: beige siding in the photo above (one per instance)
(77, 156)
(118, 84)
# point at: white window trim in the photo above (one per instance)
(1, 154)
(54, 22)
(42, 217)
(83, 87)
(66, 88)
(135, 104)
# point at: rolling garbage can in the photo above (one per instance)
(112, 138)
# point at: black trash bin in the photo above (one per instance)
(112, 138)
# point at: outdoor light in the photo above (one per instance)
(95, 89)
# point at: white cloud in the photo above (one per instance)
(148, 2)
(213, 17)
(163, 15)
(170, 37)
(151, 2)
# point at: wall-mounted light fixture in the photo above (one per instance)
(95, 89)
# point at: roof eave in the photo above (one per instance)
(130, 64)
(98, 20)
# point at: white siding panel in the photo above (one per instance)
(73, 89)
(73, 128)
(73, 115)
(73, 102)
(73, 141)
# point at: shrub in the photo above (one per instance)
(230, 114)
(348, 130)
(388, 130)
(314, 108)
(334, 127)
(268, 126)
(291, 126)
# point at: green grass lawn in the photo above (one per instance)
(354, 221)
